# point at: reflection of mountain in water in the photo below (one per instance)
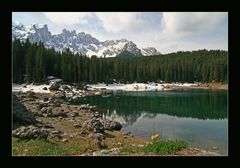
(194, 104)
(148, 115)
(127, 119)
(123, 119)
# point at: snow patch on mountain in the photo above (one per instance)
(150, 51)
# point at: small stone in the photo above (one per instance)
(65, 87)
(60, 114)
(31, 99)
(140, 145)
(56, 134)
(38, 120)
(41, 105)
(45, 99)
(93, 125)
(104, 152)
(65, 140)
(127, 133)
(82, 133)
(56, 104)
(46, 110)
(54, 86)
(111, 125)
(99, 137)
(30, 94)
(76, 114)
(77, 125)
(71, 120)
(45, 125)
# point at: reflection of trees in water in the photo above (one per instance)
(212, 105)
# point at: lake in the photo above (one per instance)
(197, 116)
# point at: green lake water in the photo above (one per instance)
(198, 117)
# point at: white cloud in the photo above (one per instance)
(172, 32)
(187, 23)
(67, 18)
(120, 21)
(170, 45)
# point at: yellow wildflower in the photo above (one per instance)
(154, 136)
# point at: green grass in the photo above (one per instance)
(126, 150)
(165, 147)
(76, 149)
(36, 148)
(46, 148)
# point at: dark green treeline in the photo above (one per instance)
(33, 63)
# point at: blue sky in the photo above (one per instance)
(166, 31)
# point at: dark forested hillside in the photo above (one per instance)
(32, 62)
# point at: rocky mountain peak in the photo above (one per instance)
(39, 32)
(132, 48)
(109, 42)
(82, 42)
(150, 51)
(122, 40)
(18, 25)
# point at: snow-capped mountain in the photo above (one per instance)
(150, 51)
(82, 43)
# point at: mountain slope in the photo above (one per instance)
(82, 43)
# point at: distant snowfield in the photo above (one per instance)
(113, 87)
(140, 86)
(33, 88)
(184, 84)
(129, 87)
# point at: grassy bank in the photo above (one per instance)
(36, 148)
(165, 147)
(47, 148)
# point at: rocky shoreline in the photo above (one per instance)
(49, 117)
(38, 116)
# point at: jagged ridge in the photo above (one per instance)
(82, 43)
